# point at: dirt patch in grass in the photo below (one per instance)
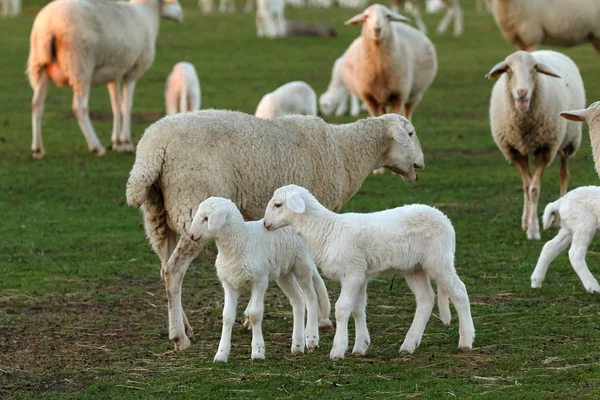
(107, 116)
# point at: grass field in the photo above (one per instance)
(82, 308)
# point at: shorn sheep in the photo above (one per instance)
(10, 8)
(579, 212)
(591, 116)
(532, 89)
(183, 159)
(335, 99)
(182, 92)
(250, 256)
(292, 98)
(84, 43)
(453, 12)
(530, 23)
(415, 240)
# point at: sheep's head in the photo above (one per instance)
(171, 9)
(327, 104)
(287, 203)
(404, 154)
(376, 20)
(521, 69)
(588, 115)
(212, 215)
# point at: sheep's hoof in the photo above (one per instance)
(593, 289)
(312, 345)
(258, 357)
(465, 344)
(98, 151)
(38, 153)
(247, 325)
(408, 347)
(326, 325)
(336, 354)
(536, 283)
(123, 147)
(220, 358)
(297, 348)
(533, 235)
(181, 343)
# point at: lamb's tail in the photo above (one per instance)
(145, 172)
(324, 305)
(550, 212)
(42, 51)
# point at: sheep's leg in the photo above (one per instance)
(362, 339)
(80, 109)
(409, 108)
(194, 102)
(342, 106)
(550, 251)
(419, 284)
(522, 164)
(395, 7)
(249, 6)
(564, 172)
(115, 103)
(354, 105)
(414, 10)
(125, 143)
(255, 315)
(582, 237)
(37, 111)
(308, 279)
(172, 102)
(289, 285)
(231, 298)
(458, 18)
(373, 107)
(343, 308)
(533, 228)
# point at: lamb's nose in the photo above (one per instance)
(521, 92)
(193, 237)
(377, 31)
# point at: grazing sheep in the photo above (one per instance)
(530, 23)
(84, 43)
(11, 8)
(270, 20)
(453, 10)
(579, 212)
(183, 159)
(526, 101)
(589, 115)
(183, 89)
(335, 99)
(249, 255)
(416, 240)
(292, 98)
(225, 6)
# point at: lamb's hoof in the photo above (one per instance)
(326, 324)
(533, 235)
(258, 357)
(38, 153)
(247, 325)
(593, 289)
(465, 344)
(336, 354)
(360, 350)
(297, 348)
(98, 151)
(536, 283)
(409, 347)
(123, 147)
(220, 358)
(181, 343)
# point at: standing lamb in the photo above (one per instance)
(416, 240)
(249, 255)
(11, 8)
(335, 99)
(183, 159)
(292, 98)
(453, 10)
(225, 6)
(183, 89)
(530, 23)
(84, 43)
(270, 20)
(524, 112)
(589, 115)
(579, 212)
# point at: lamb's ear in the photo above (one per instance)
(546, 70)
(397, 17)
(577, 115)
(217, 218)
(296, 204)
(497, 70)
(357, 19)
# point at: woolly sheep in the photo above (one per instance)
(183, 89)
(589, 115)
(270, 20)
(579, 212)
(530, 23)
(225, 6)
(11, 8)
(335, 99)
(249, 255)
(416, 240)
(83, 43)
(524, 115)
(292, 98)
(453, 10)
(183, 159)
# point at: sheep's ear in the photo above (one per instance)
(217, 218)
(546, 70)
(296, 204)
(577, 115)
(497, 70)
(397, 17)
(357, 19)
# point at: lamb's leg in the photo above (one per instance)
(343, 307)
(354, 105)
(582, 237)
(306, 275)
(255, 315)
(458, 18)
(115, 103)
(362, 339)
(172, 102)
(342, 106)
(80, 109)
(522, 164)
(395, 7)
(550, 251)
(125, 143)
(564, 172)
(533, 229)
(419, 284)
(231, 298)
(417, 15)
(446, 20)
(37, 111)
(249, 6)
(289, 285)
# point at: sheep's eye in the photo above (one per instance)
(277, 205)
(205, 219)
(411, 133)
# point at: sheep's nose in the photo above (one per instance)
(521, 92)
(377, 31)
(193, 237)
(417, 166)
(266, 225)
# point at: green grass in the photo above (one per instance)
(82, 309)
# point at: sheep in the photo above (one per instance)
(225, 6)
(589, 115)
(292, 98)
(524, 113)
(579, 212)
(530, 23)
(416, 240)
(83, 43)
(335, 99)
(484, 5)
(11, 8)
(183, 159)
(453, 9)
(249, 255)
(182, 92)
(270, 20)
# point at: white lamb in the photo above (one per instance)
(453, 11)
(84, 43)
(183, 89)
(590, 116)
(11, 8)
(292, 98)
(530, 23)
(250, 256)
(579, 212)
(335, 99)
(183, 159)
(270, 19)
(532, 89)
(416, 240)
(225, 6)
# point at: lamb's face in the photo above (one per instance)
(404, 154)
(327, 104)
(377, 21)
(286, 203)
(590, 115)
(171, 9)
(521, 70)
(210, 217)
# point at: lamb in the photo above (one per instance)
(270, 20)
(251, 256)
(225, 6)
(453, 10)
(579, 212)
(11, 8)
(416, 240)
(183, 89)
(524, 115)
(183, 159)
(589, 115)
(292, 98)
(84, 43)
(530, 23)
(335, 99)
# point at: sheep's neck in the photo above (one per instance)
(232, 240)
(316, 226)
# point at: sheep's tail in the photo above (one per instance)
(323, 299)
(444, 306)
(550, 212)
(144, 174)
(42, 51)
